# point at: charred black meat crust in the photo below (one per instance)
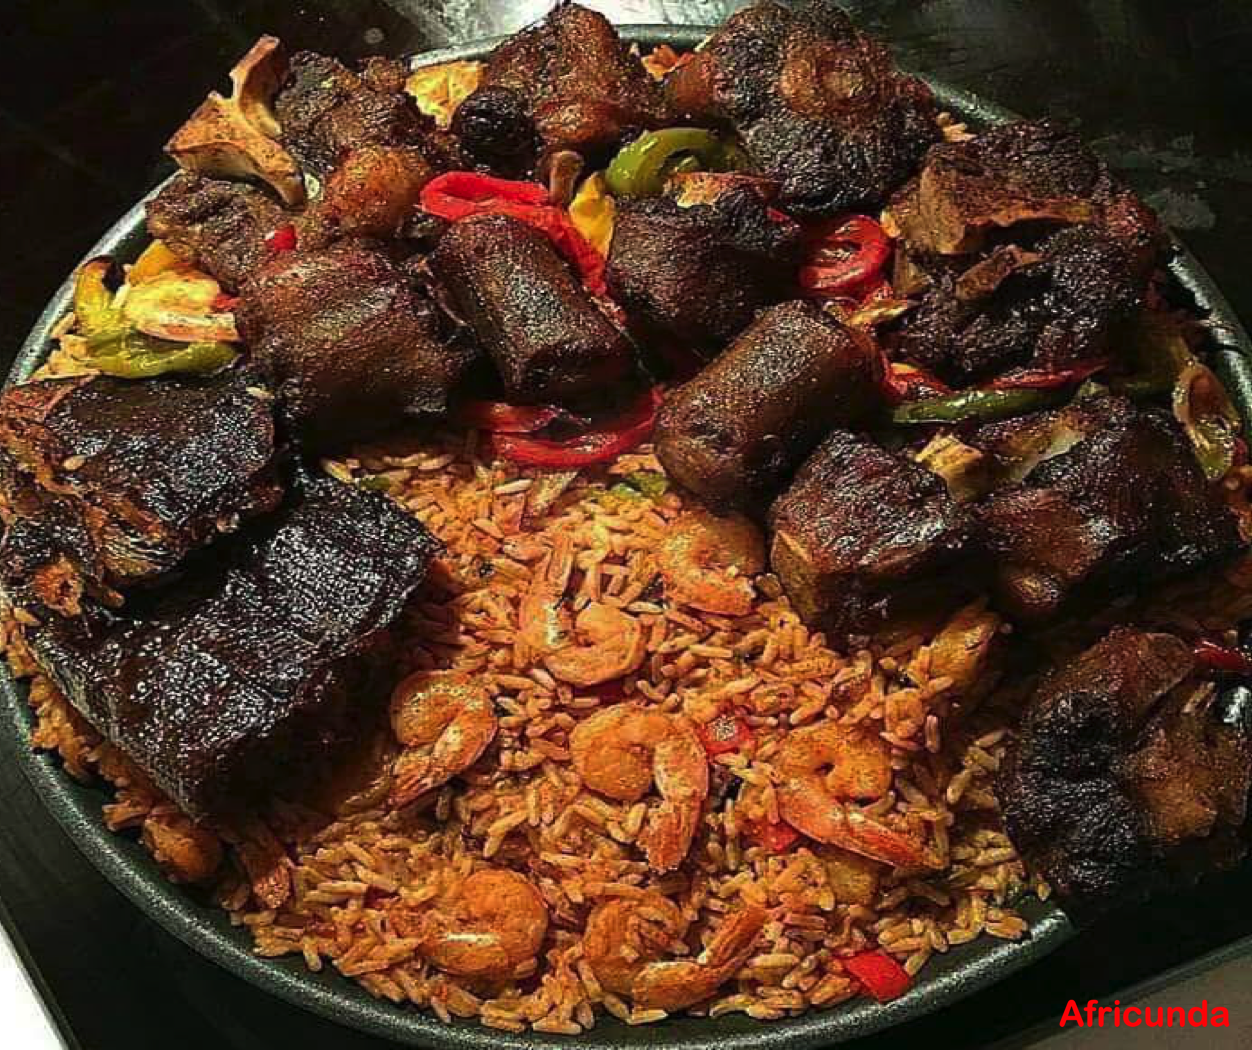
(1125, 506)
(817, 104)
(864, 535)
(152, 470)
(222, 695)
(215, 225)
(734, 433)
(568, 82)
(696, 275)
(1115, 785)
(548, 339)
(351, 343)
(327, 110)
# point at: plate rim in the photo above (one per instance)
(202, 927)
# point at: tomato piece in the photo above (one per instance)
(879, 974)
(282, 239)
(725, 733)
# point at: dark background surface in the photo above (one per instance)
(90, 90)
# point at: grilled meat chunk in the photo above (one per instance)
(241, 680)
(567, 83)
(373, 192)
(1050, 308)
(1119, 501)
(1118, 780)
(351, 344)
(327, 111)
(864, 535)
(1011, 181)
(506, 281)
(147, 471)
(817, 105)
(734, 433)
(216, 226)
(697, 274)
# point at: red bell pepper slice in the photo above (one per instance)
(282, 239)
(456, 195)
(725, 733)
(905, 382)
(1221, 658)
(630, 430)
(1042, 379)
(846, 259)
(499, 417)
(879, 974)
(773, 837)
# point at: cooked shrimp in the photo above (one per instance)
(825, 764)
(708, 562)
(624, 935)
(445, 722)
(679, 983)
(542, 620)
(603, 642)
(609, 644)
(489, 925)
(623, 750)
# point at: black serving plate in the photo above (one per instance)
(127, 865)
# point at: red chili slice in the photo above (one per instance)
(600, 445)
(879, 974)
(773, 837)
(282, 239)
(905, 382)
(846, 259)
(725, 733)
(1222, 658)
(223, 303)
(1041, 379)
(456, 195)
(499, 417)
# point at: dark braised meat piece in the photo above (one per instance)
(1124, 776)
(217, 226)
(1121, 501)
(373, 192)
(734, 433)
(864, 535)
(817, 104)
(134, 476)
(326, 110)
(568, 82)
(548, 339)
(1020, 178)
(1047, 308)
(246, 678)
(351, 344)
(697, 274)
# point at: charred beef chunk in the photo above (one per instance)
(1119, 781)
(326, 110)
(864, 535)
(548, 339)
(147, 471)
(567, 83)
(696, 275)
(1119, 501)
(217, 226)
(817, 104)
(734, 433)
(1019, 178)
(372, 193)
(351, 344)
(1048, 308)
(236, 683)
